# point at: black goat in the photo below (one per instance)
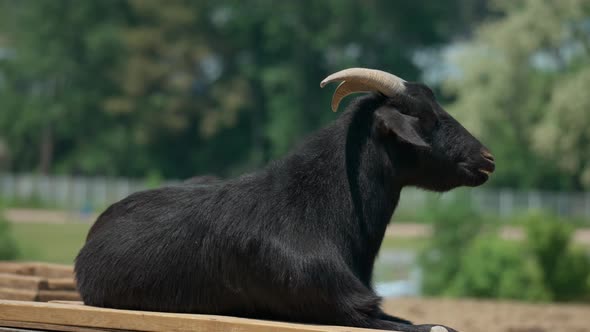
(295, 241)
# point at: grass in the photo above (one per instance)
(55, 243)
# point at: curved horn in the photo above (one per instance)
(344, 89)
(363, 80)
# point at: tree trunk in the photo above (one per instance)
(46, 150)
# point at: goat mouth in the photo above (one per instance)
(488, 168)
(476, 176)
(485, 171)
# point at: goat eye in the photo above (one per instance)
(431, 122)
(427, 117)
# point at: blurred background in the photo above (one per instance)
(99, 99)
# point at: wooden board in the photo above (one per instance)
(16, 281)
(18, 294)
(67, 302)
(59, 284)
(73, 315)
(16, 268)
(50, 327)
(52, 270)
(51, 295)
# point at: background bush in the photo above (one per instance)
(467, 258)
(565, 268)
(494, 268)
(454, 226)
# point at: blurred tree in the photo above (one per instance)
(4, 155)
(180, 87)
(210, 75)
(563, 135)
(519, 89)
(57, 57)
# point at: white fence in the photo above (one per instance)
(506, 202)
(66, 191)
(97, 193)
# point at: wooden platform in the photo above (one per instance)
(73, 316)
(37, 282)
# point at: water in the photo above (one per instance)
(397, 274)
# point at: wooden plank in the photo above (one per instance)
(59, 284)
(16, 268)
(18, 294)
(67, 302)
(48, 270)
(49, 327)
(16, 281)
(51, 295)
(91, 317)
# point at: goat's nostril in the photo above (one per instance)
(486, 154)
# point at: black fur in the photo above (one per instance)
(295, 241)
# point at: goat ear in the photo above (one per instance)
(392, 122)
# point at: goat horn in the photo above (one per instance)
(344, 89)
(363, 80)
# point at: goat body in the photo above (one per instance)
(295, 241)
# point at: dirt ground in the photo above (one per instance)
(496, 316)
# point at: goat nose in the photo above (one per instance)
(487, 155)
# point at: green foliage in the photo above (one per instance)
(563, 134)
(455, 226)
(131, 87)
(128, 87)
(8, 248)
(565, 269)
(154, 179)
(55, 74)
(521, 86)
(493, 268)
(477, 263)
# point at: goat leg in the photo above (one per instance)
(401, 327)
(394, 319)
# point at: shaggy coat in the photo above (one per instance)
(295, 241)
